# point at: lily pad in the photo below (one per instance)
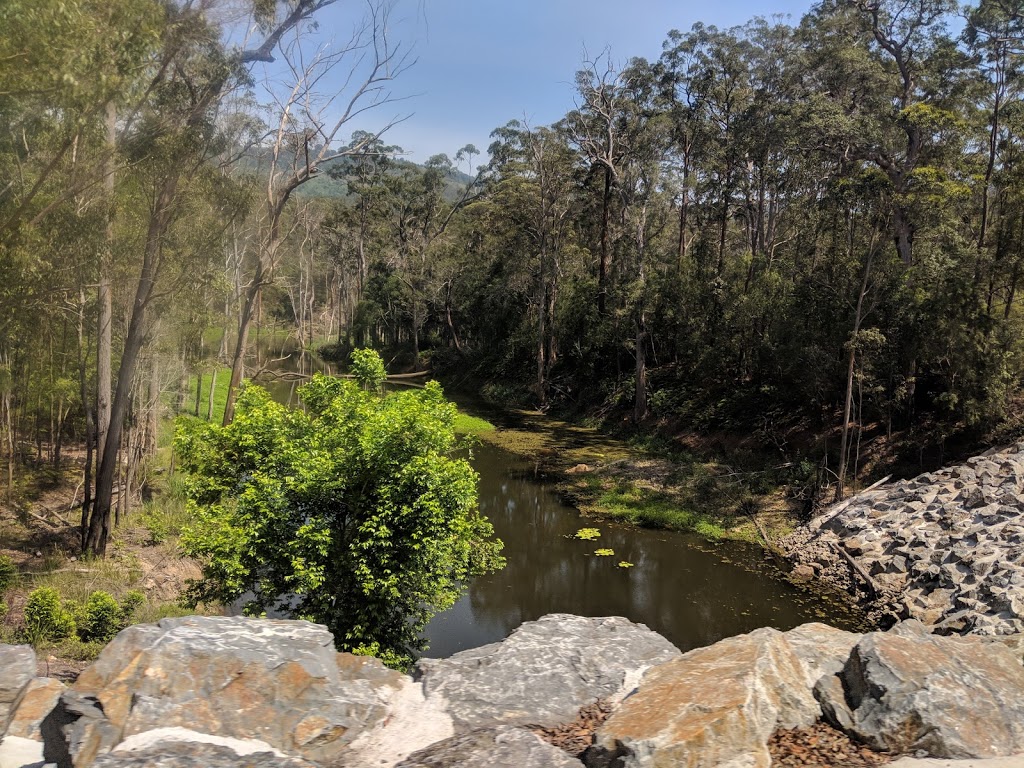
(604, 552)
(624, 564)
(588, 534)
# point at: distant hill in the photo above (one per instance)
(323, 185)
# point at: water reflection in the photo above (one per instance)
(692, 592)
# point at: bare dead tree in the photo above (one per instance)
(306, 138)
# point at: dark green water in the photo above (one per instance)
(691, 591)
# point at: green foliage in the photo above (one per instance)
(102, 618)
(130, 602)
(471, 425)
(46, 615)
(368, 369)
(352, 512)
(8, 573)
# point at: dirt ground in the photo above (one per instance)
(42, 538)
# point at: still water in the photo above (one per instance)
(691, 591)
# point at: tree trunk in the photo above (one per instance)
(104, 342)
(99, 522)
(213, 388)
(850, 368)
(602, 270)
(238, 359)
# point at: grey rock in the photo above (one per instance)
(186, 754)
(831, 695)
(503, 746)
(18, 663)
(280, 682)
(823, 650)
(950, 697)
(545, 671)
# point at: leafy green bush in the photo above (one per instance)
(8, 573)
(130, 603)
(353, 512)
(368, 369)
(102, 618)
(46, 617)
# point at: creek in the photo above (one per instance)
(692, 591)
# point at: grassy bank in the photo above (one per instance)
(650, 487)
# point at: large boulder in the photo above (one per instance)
(715, 706)
(37, 702)
(951, 697)
(18, 663)
(545, 671)
(503, 746)
(823, 650)
(280, 682)
(180, 748)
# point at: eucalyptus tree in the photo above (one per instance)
(306, 137)
(535, 171)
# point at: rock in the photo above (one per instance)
(16, 752)
(832, 698)
(823, 650)
(18, 663)
(500, 747)
(714, 706)
(545, 671)
(937, 538)
(579, 469)
(947, 696)
(38, 701)
(181, 748)
(802, 572)
(931, 762)
(277, 681)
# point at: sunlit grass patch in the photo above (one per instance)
(649, 509)
(472, 425)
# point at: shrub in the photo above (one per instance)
(102, 618)
(46, 618)
(129, 603)
(368, 369)
(8, 573)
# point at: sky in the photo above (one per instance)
(481, 63)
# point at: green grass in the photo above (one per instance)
(220, 394)
(652, 510)
(167, 514)
(472, 425)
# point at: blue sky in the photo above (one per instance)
(481, 63)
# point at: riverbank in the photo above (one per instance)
(945, 547)
(143, 573)
(605, 477)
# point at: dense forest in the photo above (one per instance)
(816, 223)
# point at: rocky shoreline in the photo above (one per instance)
(602, 692)
(945, 547)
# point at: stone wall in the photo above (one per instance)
(228, 691)
(945, 547)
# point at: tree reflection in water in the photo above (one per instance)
(692, 592)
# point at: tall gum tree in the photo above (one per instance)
(191, 75)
